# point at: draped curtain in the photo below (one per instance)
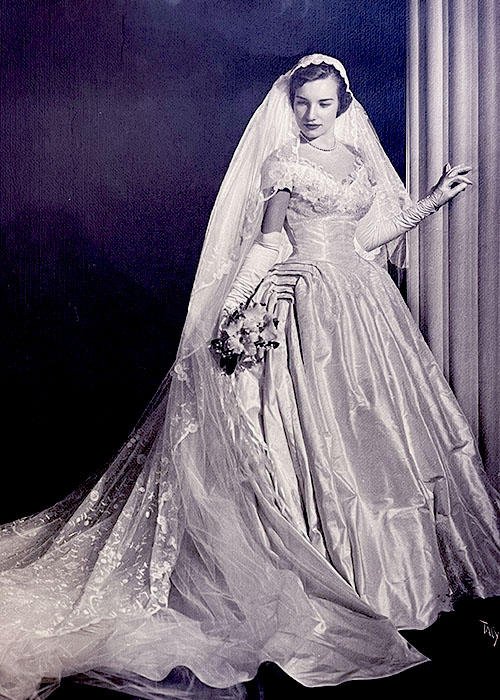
(453, 91)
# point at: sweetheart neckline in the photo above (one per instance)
(351, 176)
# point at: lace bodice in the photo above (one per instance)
(315, 191)
(323, 212)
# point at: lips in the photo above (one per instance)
(312, 126)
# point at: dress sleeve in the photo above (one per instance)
(276, 174)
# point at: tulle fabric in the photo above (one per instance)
(180, 555)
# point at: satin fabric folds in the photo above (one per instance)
(300, 512)
(374, 461)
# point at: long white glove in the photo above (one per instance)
(371, 234)
(259, 260)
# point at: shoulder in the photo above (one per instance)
(286, 153)
(278, 169)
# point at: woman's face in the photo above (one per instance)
(315, 106)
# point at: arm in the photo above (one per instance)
(263, 253)
(370, 233)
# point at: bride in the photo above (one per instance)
(300, 488)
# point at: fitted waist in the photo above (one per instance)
(323, 239)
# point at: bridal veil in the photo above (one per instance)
(179, 553)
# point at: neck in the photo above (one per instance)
(326, 141)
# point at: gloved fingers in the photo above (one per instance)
(452, 182)
(460, 188)
(271, 303)
(450, 173)
(272, 290)
(446, 193)
(462, 178)
(276, 297)
(450, 185)
(461, 169)
(262, 292)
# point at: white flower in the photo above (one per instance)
(233, 345)
(233, 328)
(94, 496)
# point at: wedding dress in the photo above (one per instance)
(301, 511)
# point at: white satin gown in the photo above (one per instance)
(374, 459)
(336, 496)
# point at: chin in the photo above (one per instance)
(313, 133)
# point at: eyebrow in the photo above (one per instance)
(322, 99)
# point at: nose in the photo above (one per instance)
(311, 113)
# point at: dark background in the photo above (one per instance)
(118, 121)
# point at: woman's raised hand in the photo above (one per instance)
(452, 181)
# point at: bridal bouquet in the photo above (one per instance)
(245, 336)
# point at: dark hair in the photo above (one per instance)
(314, 71)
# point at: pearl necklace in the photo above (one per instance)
(319, 147)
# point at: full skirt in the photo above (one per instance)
(300, 512)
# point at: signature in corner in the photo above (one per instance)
(490, 631)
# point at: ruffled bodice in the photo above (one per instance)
(323, 212)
